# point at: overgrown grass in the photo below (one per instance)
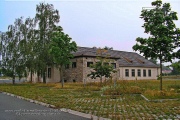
(90, 99)
(170, 77)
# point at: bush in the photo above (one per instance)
(160, 94)
(118, 90)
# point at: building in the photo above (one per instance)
(129, 66)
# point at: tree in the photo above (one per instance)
(46, 18)
(61, 48)
(30, 36)
(153, 61)
(102, 67)
(176, 67)
(159, 24)
(16, 47)
(12, 55)
(108, 48)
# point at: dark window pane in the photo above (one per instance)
(74, 65)
(139, 73)
(127, 72)
(149, 73)
(49, 72)
(144, 73)
(89, 64)
(133, 72)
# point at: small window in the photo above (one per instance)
(144, 73)
(139, 73)
(133, 72)
(113, 65)
(74, 65)
(127, 72)
(149, 73)
(67, 66)
(89, 64)
(49, 72)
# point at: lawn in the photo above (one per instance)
(121, 102)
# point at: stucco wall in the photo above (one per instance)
(55, 75)
(154, 73)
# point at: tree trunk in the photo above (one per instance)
(44, 76)
(161, 75)
(13, 79)
(31, 76)
(38, 74)
(61, 76)
(101, 80)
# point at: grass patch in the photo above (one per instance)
(89, 99)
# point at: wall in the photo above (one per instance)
(34, 78)
(55, 75)
(80, 72)
(74, 74)
(154, 73)
(87, 70)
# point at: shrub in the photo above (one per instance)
(160, 94)
(120, 89)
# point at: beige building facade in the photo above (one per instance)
(129, 66)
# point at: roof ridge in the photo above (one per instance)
(108, 50)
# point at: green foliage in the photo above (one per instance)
(102, 67)
(25, 46)
(153, 61)
(176, 67)
(61, 48)
(46, 18)
(163, 34)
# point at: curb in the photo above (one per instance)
(145, 98)
(90, 116)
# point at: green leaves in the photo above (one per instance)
(159, 24)
(61, 48)
(102, 67)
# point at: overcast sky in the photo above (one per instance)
(112, 23)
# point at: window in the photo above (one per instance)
(74, 65)
(133, 72)
(127, 72)
(149, 73)
(67, 66)
(89, 64)
(49, 72)
(144, 73)
(113, 65)
(139, 73)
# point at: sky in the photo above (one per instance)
(90, 23)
